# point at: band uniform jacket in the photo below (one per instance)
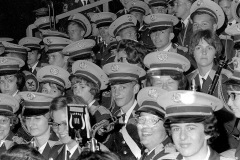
(53, 140)
(224, 116)
(58, 153)
(185, 35)
(161, 150)
(10, 140)
(119, 145)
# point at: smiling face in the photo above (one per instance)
(190, 139)
(37, 125)
(161, 39)
(165, 82)
(60, 118)
(151, 135)
(204, 54)
(4, 127)
(8, 84)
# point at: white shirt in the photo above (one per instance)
(186, 21)
(205, 77)
(34, 66)
(72, 150)
(1, 143)
(40, 150)
(168, 47)
(129, 112)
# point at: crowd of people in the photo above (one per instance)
(159, 79)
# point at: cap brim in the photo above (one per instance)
(8, 72)
(34, 112)
(151, 111)
(120, 81)
(5, 113)
(232, 81)
(185, 119)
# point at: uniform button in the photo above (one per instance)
(123, 142)
(236, 157)
(124, 152)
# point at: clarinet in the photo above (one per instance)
(223, 63)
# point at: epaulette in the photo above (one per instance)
(226, 72)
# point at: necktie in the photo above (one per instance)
(203, 80)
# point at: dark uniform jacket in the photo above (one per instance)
(224, 116)
(160, 151)
(53, 139)
(58, 152)
(185, 35)
(119, 145)
(10, 140)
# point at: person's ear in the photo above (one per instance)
(136, 88)
(38, 56)
(171, 37)
(214, 27)
(82, 33)
(118, 38)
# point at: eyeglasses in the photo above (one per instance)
(4, 121)
(233, 95)
(56, 125)
(149, 121)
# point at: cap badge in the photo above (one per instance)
(54, 71)
(238, 27)
(199, 3)
(162, 57)
(115, 68)
(153, 17)
(49, 41)
(176, 97)
(30, 96)
(129, 18)
(3, 60)
(153, 93)
(82, 65)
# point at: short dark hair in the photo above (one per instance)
(20, 80)
(98, 155)
(135, 51)
(175, 75)
(210, 38)
(61, 102)
(21, 152)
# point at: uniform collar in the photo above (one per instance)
(128, 114)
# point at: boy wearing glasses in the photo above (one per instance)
(123, 78)
(151, 131)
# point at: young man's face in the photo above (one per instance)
(151, 135)
(161, 39)
(103, 32)
(128, 33)
(33, 57)
(226, 7)
(190, 139)
(124, 94)
(75, 32)
(8, 84)
(56, 59)
(182, 8)
(158, 9)
(204, 22)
